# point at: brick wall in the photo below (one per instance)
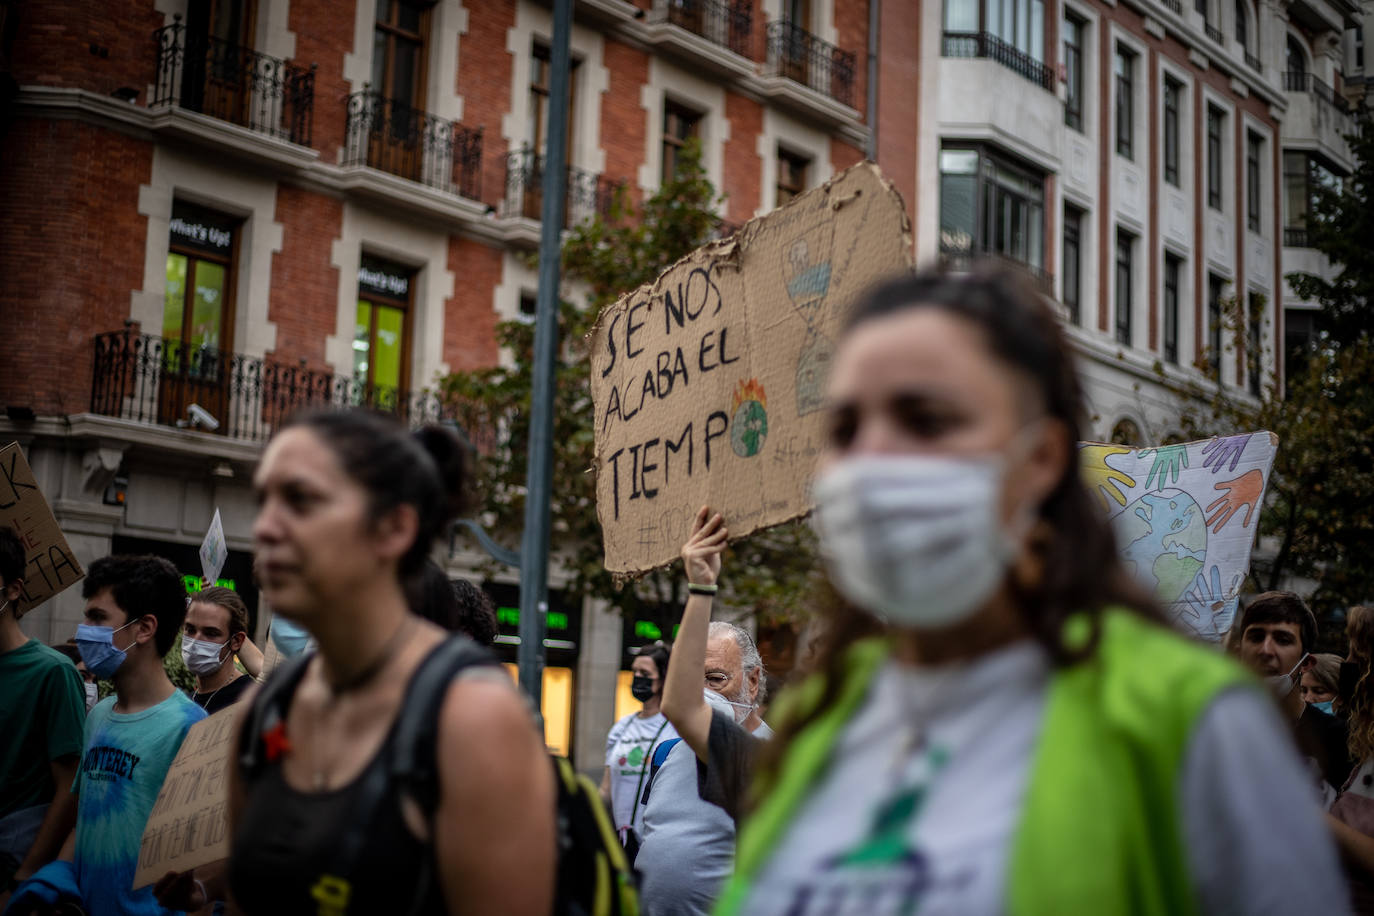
(469, 318)
(851, 34)
(71, 251)
(305, 286)
(324, 34)
(484, 74)
(54, 39)
(623, 121)
(743, 167)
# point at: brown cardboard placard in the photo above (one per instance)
(51, 564)
(707, 384)
(189, 824)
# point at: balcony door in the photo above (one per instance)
(396, 143)
(217, 73)
(795, 57)
(197, 314)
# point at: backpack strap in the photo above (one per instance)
(415, 744)
(660, 757)
(269, 712)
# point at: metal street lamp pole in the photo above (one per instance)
(534, 546)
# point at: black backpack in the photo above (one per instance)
(593, 877)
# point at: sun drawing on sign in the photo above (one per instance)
(749, 418)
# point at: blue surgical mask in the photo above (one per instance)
(1324, 706)
(291, 638)
(97, 648)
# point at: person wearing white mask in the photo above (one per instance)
(215, 630)
(1023, 733)
(40, 734)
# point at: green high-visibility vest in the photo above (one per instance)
(1100, 830)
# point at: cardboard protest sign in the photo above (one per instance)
(707, 384)
(51, 564)
(213, 550)
(1185, 518)
(189, 825)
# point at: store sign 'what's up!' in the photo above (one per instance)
(708, 383)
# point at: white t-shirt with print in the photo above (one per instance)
(629, 748)
(922, 822)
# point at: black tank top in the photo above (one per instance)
(290, 848)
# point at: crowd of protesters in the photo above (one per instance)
(992, 719)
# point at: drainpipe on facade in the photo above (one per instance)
(874, 11)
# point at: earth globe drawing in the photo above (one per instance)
(749, 418)
(1162, 538)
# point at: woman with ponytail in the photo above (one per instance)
(323, 821)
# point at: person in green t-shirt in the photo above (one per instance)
(42, 735)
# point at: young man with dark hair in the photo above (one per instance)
(42, 706)
(134, 607)
(216, 629)
(1277, 635)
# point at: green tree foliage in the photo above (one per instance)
(1320, 499)
(607, 257)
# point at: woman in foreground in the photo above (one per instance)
(349, 506)
(1028, 736)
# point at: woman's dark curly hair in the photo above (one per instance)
(1079, 569)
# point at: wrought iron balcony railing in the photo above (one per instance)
(233, 83)
(798, 55)
(1214, 33)
(1295, 237)
(1301, 81)
(391, 136)
(154, 380)
(1174, 5)
(988, 45)
(1254, 62)
(588, 195)
(728, 23)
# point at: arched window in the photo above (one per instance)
(1242, 36)
(1126, 432)
(1297, 58)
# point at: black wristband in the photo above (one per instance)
(697, 588)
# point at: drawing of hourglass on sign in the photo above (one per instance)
(806, 268)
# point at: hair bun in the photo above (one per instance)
(450, 458)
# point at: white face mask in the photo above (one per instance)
(721, 704)
(916, 540)
(201, 656)
(92, 694)
(1281, 685)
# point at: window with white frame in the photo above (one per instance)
(991, 204)
(1216, 125)
(1125, 277)
(1125, 101)
(1173, 94)
(1254, 199)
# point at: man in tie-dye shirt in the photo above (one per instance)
(134, 608)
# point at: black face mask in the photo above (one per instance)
(641, 687)
(1349, 677)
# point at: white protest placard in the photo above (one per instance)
(213, 550)
(189, 824)
(1185, 518)
(51, 565)
(707, 384)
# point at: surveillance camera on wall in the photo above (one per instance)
(201, 418)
